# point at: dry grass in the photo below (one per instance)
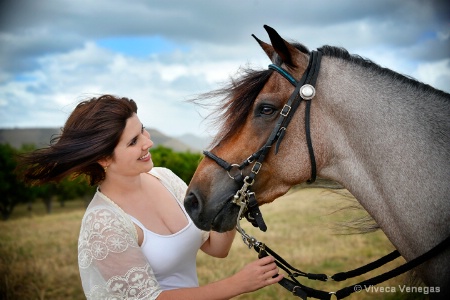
(38, 254)
(38, 257)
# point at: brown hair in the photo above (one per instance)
(90, 134)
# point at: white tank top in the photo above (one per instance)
(173, 257)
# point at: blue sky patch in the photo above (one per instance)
(427, 35)
(140, 46)
(23, 77)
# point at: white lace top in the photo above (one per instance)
(111, 263)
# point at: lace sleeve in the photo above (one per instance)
(112, 265)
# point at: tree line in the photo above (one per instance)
(14, 191)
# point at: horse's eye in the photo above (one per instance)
(267, 110)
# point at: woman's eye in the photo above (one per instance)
(267, 110)
(133, 142)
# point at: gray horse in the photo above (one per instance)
(383, 136)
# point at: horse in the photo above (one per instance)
(383, 136)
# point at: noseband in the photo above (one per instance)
(304, 90)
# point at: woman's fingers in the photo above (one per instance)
(266, 259)
(260, 273)
(269, 270)
(274, 279)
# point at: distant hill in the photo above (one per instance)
(195, 141)
(41, 137)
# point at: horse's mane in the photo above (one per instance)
(342, 53)
(237, 97)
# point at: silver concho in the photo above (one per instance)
(307, 92)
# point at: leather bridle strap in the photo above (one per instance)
(308, 79)
(302, 291)
(304, 90)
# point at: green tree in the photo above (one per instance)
(45, 192)
(12, 189)
(183, 164)
(73, 188)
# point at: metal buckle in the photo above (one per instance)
(283, 112)
(256, 167)
(250, 159)
(293, 290)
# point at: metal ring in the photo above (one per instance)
(233, 165)
(249, 183)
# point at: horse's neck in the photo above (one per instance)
(387, 150)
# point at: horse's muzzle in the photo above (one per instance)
(220, 216)
(194, 208)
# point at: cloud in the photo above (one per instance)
(57, 52)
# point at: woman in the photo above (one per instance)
(136, 240)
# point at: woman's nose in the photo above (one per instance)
(148, 141)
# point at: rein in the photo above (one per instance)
(303, 292)
(246, 199)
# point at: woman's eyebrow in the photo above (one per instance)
(135, 137)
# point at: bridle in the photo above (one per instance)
(246, 199)
(304, 90)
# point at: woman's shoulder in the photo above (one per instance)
(103, 214)
(171, 181)
(162, 172)
(168, 177)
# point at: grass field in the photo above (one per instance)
(38, 253)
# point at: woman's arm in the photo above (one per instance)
(218, 244)
(255, 275)
(111, 262)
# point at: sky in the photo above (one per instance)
(56, 53)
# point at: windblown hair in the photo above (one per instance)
(90, 134)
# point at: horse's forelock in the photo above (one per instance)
(237, 99)
(301, 47)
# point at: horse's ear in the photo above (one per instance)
(266, 47)
(281, 47)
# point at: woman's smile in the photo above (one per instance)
(146, 157)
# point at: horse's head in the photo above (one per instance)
(250, 112)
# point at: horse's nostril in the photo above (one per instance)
(191, 203)
(194, 203)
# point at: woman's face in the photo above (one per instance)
(131, 155)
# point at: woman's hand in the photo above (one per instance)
(253, 276)
(258, 274)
